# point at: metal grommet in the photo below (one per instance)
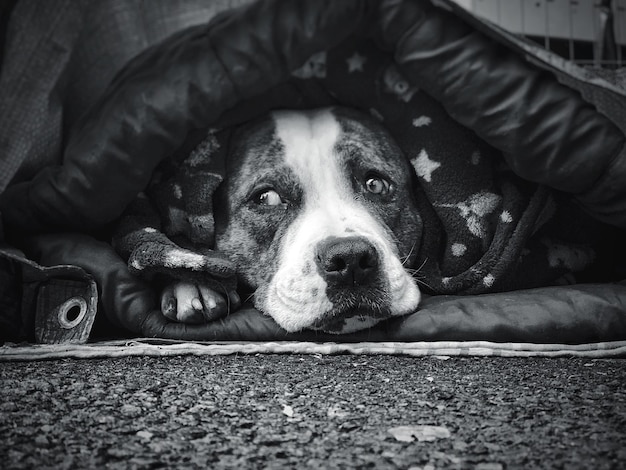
(72, 312)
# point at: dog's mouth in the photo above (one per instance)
(354, 310)
(349, 322)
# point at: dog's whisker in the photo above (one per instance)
(413, 272)
(422, 265)
(423, 283)
(416, 273)
(406, 258)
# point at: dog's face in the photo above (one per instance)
(318, 214)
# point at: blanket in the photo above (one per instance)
(486, 229)
(173, 227)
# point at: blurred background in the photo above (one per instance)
(587, 32)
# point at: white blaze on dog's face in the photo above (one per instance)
(320, 218)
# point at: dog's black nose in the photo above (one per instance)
(347, 261)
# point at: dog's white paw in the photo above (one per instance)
(192, 303)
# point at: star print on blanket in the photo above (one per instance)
(485, 229)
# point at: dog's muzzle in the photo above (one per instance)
(351, 267)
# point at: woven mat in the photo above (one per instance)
(159, 348)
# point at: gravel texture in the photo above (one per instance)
(288, 411)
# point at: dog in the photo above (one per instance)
(317, 212)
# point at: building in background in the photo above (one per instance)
(588, 32)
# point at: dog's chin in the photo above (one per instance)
(354, 311)
(337, 311)
(349, 321)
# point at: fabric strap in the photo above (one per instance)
(442, 349)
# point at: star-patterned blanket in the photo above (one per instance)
(485, 229)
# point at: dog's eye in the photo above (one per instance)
(377, 185)
(269, 198)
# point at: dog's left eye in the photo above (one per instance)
(377, 185)
(269, 198)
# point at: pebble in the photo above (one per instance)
(146, 435)
(8, 406)
(130, 410)
(42, 441)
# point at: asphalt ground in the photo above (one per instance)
(292, 411)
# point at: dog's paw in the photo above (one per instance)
(192, 303)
